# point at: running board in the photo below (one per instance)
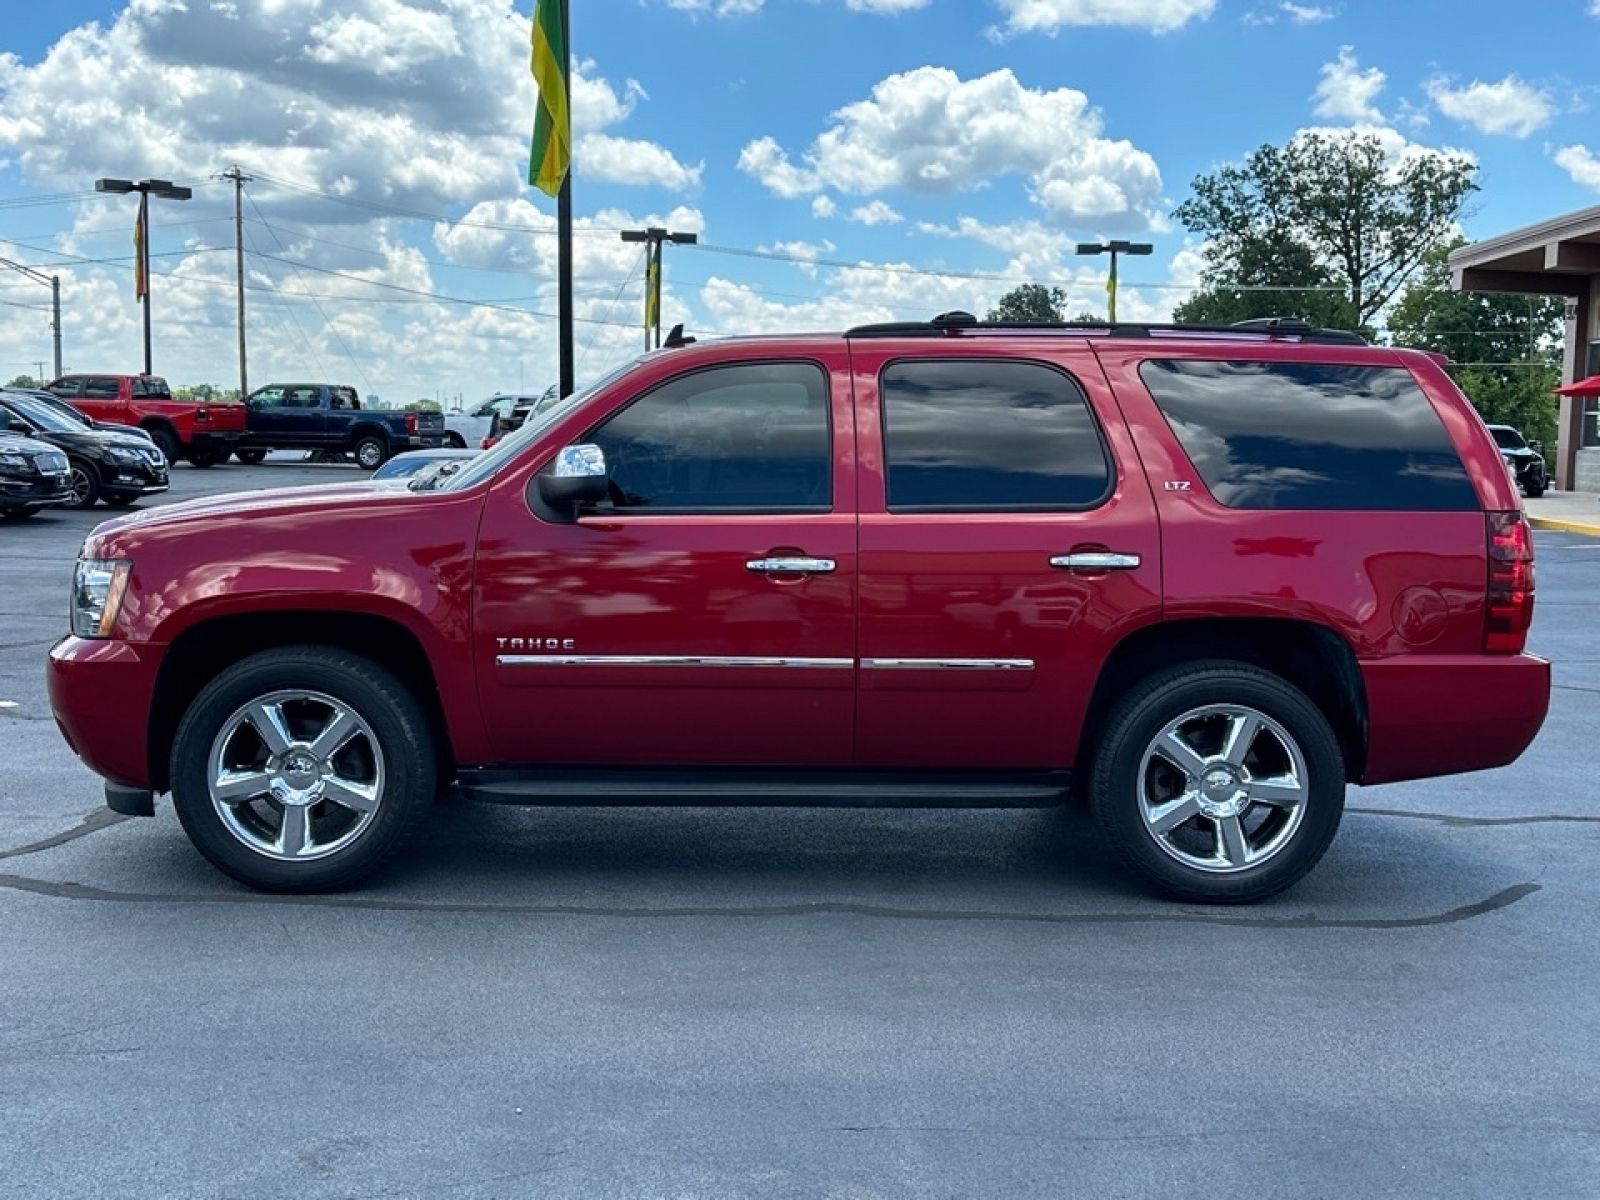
(753, 788)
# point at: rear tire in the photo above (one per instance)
(371, 452)
(205, 456)
(1217, 783)
(302, 769)
(167, 442)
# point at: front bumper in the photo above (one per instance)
(101, 692)
(26, 491)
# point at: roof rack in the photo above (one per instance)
(959, 324)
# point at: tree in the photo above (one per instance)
(1269, 278)
(1030, 302)
(1339, 201)
(1504, 349)
(25, 381)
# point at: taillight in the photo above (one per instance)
(1510, 583)
(411, 424)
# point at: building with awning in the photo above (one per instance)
(1559, 257)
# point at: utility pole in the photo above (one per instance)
(55, 304)
(654, 237)
(239, 180)
(146, 188)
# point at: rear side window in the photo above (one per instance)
(971, 435)
(1311, 435)
(151, 386)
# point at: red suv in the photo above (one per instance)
(1201, 578)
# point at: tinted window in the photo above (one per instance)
(752, 436)
(1507, 438)
(150, 385)
(100, 387)
(1310, 435)
(67, 387)
(989, 434)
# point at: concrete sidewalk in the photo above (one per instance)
(1576, 512)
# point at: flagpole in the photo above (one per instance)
(564, 232)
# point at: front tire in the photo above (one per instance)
(205, 456)
(85, 483)
(1217, 783)
(302, 769)
(250, 457)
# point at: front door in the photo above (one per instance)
(705, 615)
(1008, 541)
(287, 412)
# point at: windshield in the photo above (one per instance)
(41, 416)
(510, 446)
(1507, 438)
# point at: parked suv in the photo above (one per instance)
(110, 464)
(1524, 458)
(1202, 578)
(33, 474)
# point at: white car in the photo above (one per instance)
(466, 428)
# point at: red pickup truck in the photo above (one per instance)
(1200, 579)
(201, 431)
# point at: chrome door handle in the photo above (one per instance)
(1096, 560)
(791, 566)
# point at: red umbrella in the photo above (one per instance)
(1584, 387)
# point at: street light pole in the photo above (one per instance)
(654, 237)
(146, 188)
(55, 302)
(1113, 248)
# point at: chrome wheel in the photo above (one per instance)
(85, 486)
(1223, 788)
(296, 775)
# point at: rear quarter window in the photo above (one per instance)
(1271, 435)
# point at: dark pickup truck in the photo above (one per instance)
(325, 416)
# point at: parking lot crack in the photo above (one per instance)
(1176, 916)
(100, 818)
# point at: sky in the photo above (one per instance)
(840, 161)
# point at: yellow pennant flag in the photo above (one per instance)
(552, 124)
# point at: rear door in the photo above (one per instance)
(288, 413)
(1008, 541)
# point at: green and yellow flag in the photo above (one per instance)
(1111, 290)
(652, 290)
(552, 126)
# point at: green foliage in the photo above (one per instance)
(1333, 200)
(25, 381)
(1505, 350)
(1269, 278)
(1030, 302)
(424, 406)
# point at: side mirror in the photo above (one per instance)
(578, 478)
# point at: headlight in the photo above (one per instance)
(125, 458)
(15, 461)
(97, 590)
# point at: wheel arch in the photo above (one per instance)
(1312, 657)
(202, 651)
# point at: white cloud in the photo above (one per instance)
(1307, 14)
(823, 207)
(1509, 107)
(876, 213)
(1346, 92)
(1579, 161)
(1051, 16)
(929, 132)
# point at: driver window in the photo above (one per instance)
(750, 437)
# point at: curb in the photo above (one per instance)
(1588, 527)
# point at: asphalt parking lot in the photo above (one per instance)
(775, 1003)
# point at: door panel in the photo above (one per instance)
(977, 651)
(641, 634)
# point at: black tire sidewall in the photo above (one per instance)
(1134, 723)
(171, 448)
(93, 476)
(381, 453)
(387, 706)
